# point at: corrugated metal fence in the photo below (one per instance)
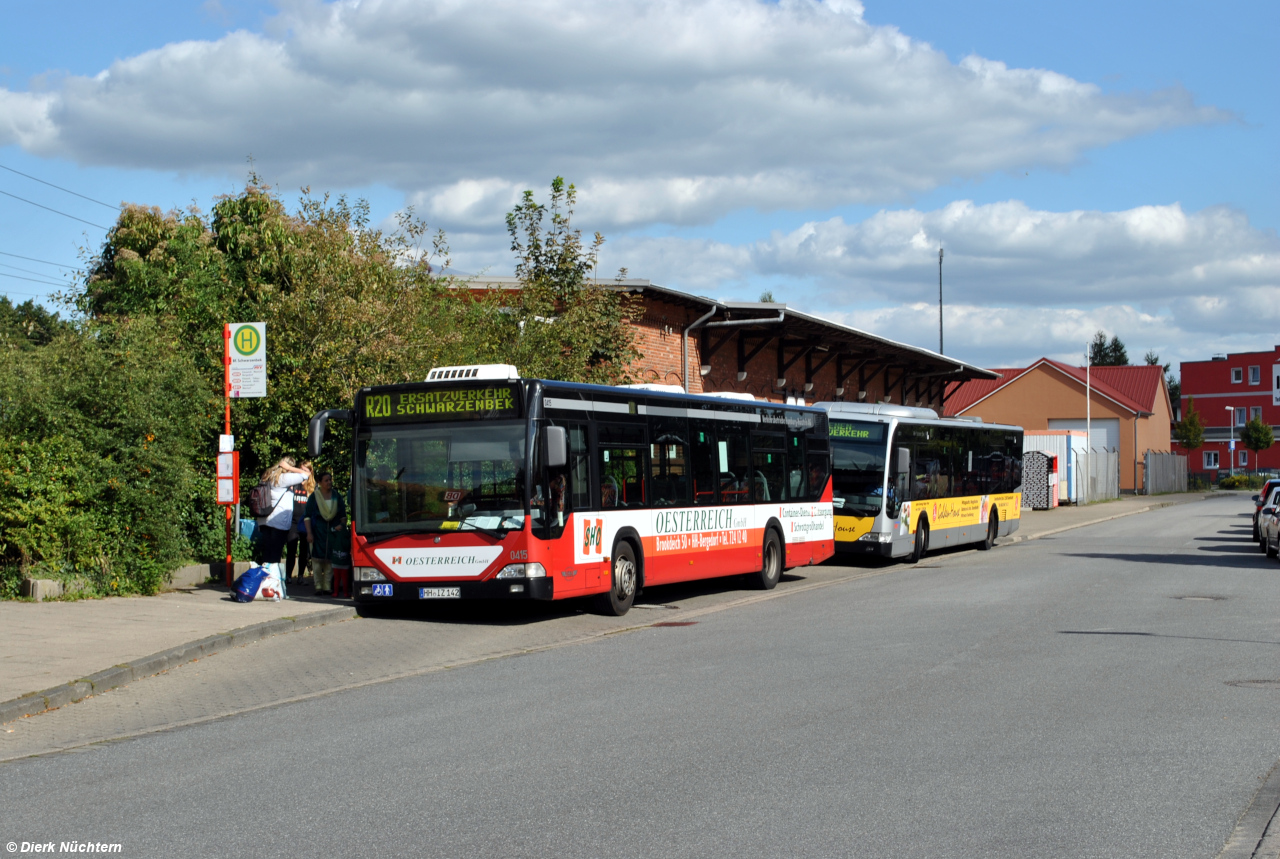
(1099, 474)
(1163, 472)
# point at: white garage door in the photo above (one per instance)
(1103, 432)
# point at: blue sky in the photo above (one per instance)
(1097, 165)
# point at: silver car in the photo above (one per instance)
(1269, 525)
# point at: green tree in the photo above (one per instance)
(1171, 381)
(99, 437)
(1107, 353)
(1257, 436)
(1189, 431)
(564, 326)
(349, 305)
(346, 304)
(27, 325)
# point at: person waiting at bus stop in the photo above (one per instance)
(295, 547)
(280, 478)
(324, 520)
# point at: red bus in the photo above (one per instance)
(479, 484)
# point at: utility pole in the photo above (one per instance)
(940, 350)
(1088, 427)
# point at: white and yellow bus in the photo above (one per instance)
(905, 481)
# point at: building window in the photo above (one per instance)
(1240, 417)
(1237, 375)
(1244, 457)
(1255, 375)
(1255, 412)
(1210, 459)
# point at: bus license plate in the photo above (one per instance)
(439, 593)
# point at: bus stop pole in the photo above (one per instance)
(226, 395)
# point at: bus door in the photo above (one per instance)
(559, 493)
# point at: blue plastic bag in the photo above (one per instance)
(247, 585)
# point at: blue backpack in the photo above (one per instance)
(247, 585)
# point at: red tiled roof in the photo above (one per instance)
(972, 391)
(1133, 387)
(1140, 383)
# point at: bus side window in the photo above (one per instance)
(733, 463)
(622, 474)
(819, 471)
(560, 491)
(705, 467)
(899, 478)
(797, 481)
(667, 474)
(579, 468)
(768, 467)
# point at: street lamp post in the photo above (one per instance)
(941, 351)
(1231, 429)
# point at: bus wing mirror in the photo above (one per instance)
(316, 431)
(903, 464)
(557, 442)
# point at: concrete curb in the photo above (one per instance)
(1022, 538)
(120, 675)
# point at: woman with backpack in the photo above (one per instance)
(279, 481)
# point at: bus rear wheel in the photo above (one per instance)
(770, 562)
(993, 531)
(622, 590)
(922, 541)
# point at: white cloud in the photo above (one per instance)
(1011, 254)
(674, 112)
(1018, 283)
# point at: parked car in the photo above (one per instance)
(1269, 525)
(1257, 503)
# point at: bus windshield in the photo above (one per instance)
(441, 478)
(857, 467)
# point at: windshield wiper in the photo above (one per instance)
(390, 535)
(497, 535)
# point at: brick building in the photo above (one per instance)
(773, 351)
(1247, 383)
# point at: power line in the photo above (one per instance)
(55, 211)
(25, 271)
(43, 261)
(60, 188)
(32, 279)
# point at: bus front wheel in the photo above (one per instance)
(993, 531)
(770, 562)
(922, 541)
(622, 590)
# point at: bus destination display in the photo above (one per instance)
(864, 432)
(489, 402)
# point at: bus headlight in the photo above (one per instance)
(368, 574)
(877, 537)
(522, 571)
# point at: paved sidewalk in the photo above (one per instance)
(45, 646)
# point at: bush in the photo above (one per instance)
(1242, 481)
(101, 435)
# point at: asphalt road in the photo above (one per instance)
(1069, 696)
